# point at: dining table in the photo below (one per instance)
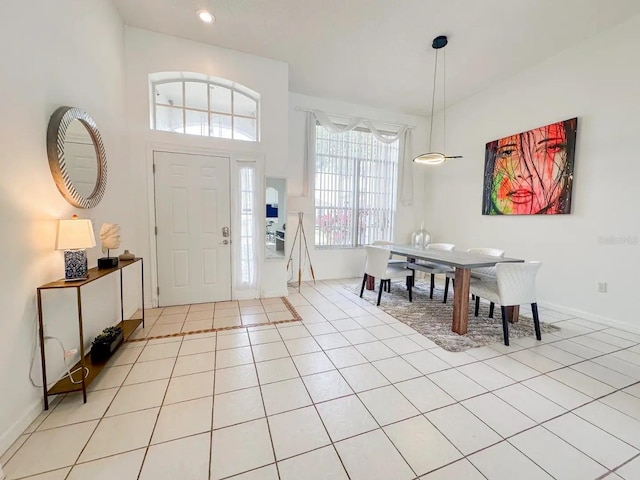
(462, 262)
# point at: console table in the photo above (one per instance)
(65, 385)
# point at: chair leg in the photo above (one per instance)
(536, 320)
(477, 306)
(380, 291)
(505, 325)
(433, 279)
(491, 307)
(364, 281)
(409, 280)
(446, 289)
(389, 286)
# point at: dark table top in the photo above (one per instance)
(453, 258)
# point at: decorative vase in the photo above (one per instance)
(127, 255)
(421, 238)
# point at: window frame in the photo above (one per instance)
(356, 191)
(234, 88)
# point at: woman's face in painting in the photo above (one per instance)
(528, 174)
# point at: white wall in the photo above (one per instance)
(147, 53)
(345, 263)
(597, 81)
(53, 53)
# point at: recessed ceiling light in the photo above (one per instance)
(206, 16)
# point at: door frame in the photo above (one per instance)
(235, 157)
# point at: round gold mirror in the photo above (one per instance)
(77, 157)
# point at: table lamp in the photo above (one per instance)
(74, 237)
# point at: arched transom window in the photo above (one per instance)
(196, 104)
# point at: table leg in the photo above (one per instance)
(461, 301)
(42, 352)
(82, 359)
(371, 283)
(142, 288)
(513, 313)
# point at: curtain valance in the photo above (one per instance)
(403, 135)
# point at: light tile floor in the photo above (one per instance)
(183, 319)
(347, 393)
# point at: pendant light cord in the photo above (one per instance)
(444, 102)
(433, 99)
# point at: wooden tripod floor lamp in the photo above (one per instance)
(297, 205)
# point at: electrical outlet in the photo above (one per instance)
(602, 287)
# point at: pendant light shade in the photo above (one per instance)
(431, 157)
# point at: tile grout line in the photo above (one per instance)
(317, 411)
(100, 419)
(614, 470)
(477, 361)
(147, 448)
(420, 414)
(505, 439)
(356, 394)
(457, 402)
(213, 405)
(264, 408)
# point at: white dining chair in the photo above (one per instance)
(431, 268)
(515, 284)
(396, 261)
(377, 265)
(487, 273)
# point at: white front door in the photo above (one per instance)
(193, 221)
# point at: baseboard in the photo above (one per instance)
(11, 434)
(275, 293)
(250, 294)
(130, 312)
(609, 322)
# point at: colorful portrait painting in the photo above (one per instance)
(530, 173)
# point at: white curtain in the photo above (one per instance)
(250, 235)
(403, 135)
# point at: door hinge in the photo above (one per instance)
(156, 230)
(154, 168)
(158, 290)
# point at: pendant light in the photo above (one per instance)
(431, 157)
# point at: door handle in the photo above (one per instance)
(225, 231)
(225, 242)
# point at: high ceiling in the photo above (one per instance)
(378, 52)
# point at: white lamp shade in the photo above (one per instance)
(298, 204)
(74, 234)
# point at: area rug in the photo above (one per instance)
(433, 319)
